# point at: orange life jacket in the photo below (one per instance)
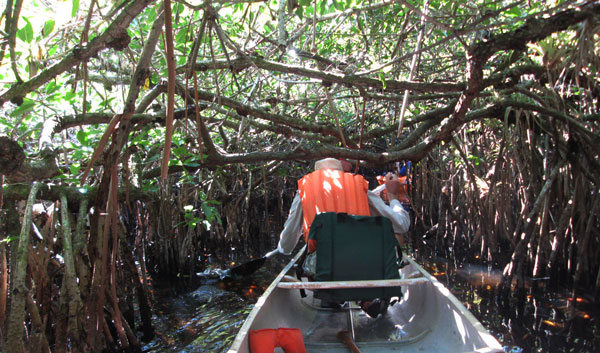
(331, 191)
(266, 340)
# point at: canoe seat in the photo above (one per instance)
(355, 248)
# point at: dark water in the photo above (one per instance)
(206, 318)
(533, 319)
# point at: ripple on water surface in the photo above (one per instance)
(206, 319)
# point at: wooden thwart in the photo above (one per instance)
(295, 284)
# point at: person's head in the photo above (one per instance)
(347, 166)
(328, 163)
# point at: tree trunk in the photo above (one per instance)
(3, 287)
(521, 248)
(75, 323)
(582, 253)
(15, 334)
(541, 253)
(37, 337)
(80, 251)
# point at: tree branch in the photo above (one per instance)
(533, 30)
(18, 169)
(74, 194)
(12, 22)
(170, 86)
(242, 63)
(115, 36)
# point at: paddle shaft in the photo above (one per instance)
(250, 267)
(346, 339)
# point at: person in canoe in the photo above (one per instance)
(332, 188)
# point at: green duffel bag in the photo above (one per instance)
(354, 248)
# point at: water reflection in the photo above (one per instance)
(206, 317)
(532, 318)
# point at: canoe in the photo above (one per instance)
(428, 318)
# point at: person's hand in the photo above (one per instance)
(396, 190)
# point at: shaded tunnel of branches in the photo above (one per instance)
(219, 116)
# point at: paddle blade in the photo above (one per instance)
(346, 338)
(248, 268)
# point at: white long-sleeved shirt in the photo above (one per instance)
(293, 229)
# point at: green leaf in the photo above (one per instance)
(52, 87)
(26, 107)
(77, 154)
(74, 168)
(70, 95)
(179, 151)
(48, 28)
(191, 162)
(513, 12)
(300, 12)
(75, 8)
(382, 78)
(82, 137)
(178, 8)
(9, 239)
(26, 33)
(150, 187)
(151, 15)
(153, 158)
(269, 26)
(181, 37)
(338, 5)
(322, 7)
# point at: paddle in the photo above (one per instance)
(250, 267)
(346, 339)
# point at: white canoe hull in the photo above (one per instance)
(428, 318)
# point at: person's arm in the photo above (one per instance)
(292, 229)
(395, 212)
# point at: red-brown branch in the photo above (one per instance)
(170, 88)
